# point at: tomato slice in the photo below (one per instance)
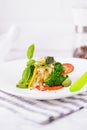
(44, 88)
(68, 68)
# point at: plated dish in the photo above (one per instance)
(45, 73)
(44, 78)
(10, 72)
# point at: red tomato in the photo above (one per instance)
(44, 88)
(68, 68)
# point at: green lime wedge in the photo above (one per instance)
(79, 84)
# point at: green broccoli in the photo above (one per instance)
(56, 78)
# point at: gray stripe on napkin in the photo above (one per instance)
(41, 111)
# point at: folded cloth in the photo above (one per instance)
(42, 111)
(7, 40)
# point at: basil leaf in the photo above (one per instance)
(30, 51)
(30, 62)
(26, 73)
(21, 86)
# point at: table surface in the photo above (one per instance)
(8, 121)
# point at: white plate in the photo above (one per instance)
(10, 73)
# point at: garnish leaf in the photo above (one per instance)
(26, 74)
(30, 51)
(31, 62)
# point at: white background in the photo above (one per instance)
(47, 23)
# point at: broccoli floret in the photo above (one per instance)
(56, 78)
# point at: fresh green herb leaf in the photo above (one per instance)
(22, 86)
(30, 62)
(28, 71)
(30, 51)
(26, 74)
(32, 67)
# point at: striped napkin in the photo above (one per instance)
(42, 111)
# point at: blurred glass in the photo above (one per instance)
(80, 23)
